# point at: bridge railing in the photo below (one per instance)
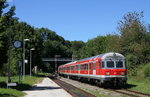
(57, 59)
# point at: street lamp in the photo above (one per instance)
(73, 56)
(31, 59)
(24, 41)
(56, 56)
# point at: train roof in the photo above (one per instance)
(102, 56)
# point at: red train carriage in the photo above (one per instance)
(104, 68)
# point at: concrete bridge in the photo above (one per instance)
(57, 59)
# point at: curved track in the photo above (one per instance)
(136, 92)
(127, 92)
(74, 91)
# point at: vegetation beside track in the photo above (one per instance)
(141, 86)
(18, 90)
(97, 94)
(140, 80)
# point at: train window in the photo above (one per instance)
(103, 64)
(71, 67)
(94, 67)
(86, 67)
(81, 67)
(110, 64)
(75, 67)
(119, 64)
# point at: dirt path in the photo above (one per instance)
(47, 88)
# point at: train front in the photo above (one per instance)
(113, 69)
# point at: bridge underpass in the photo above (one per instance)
(55, 62)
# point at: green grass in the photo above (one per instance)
(10, 93)
(141, 86)
(141, 79)
(97, 94)
(17, 91)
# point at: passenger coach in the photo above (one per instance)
(104, 68)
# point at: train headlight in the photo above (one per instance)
(107, 73)
(122, 73)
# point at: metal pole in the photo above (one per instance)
(9, 70)
(19, 71)
(23, 59)
(55, 63)
(30, 60)
(72, 57)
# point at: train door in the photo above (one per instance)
(90, 68)
(94, 68)
(78, 69)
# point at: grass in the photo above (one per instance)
(97, 94)
(141, 79)
(133, 84)
(17, 91)
(141, 86)
(10, 93)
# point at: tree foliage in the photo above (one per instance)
(6, 21)
(133, 41)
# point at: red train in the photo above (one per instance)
(104, 68)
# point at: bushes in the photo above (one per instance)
(147, 70)
(144, 71)
(141, 73)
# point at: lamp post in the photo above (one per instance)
(31, 59)
(56, 56)
(73, 56)
(24, 41)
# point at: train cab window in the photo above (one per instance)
(119, 64)
(103, 64)
(110, 64)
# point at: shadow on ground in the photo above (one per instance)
(7, 95)
(43, 88)
(127, 86)
(3, 85)
(22, 87)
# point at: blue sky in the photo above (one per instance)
(78, 19)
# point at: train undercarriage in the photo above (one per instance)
(106, 81)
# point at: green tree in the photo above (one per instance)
(134, 40)
(6, 21)
(75, 48)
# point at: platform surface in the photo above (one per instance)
(47, 88)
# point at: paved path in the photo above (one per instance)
(47, 88)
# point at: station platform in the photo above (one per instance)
(47, 88)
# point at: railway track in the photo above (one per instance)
(136, 92)
(129, 93)
(125, 93)
(74, 91)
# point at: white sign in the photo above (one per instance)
(11, 84)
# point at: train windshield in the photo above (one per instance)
(113, 64)
(110, 64)
(119, 64)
